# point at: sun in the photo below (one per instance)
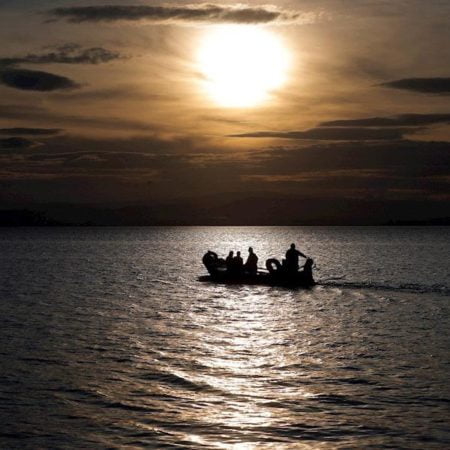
(241, 65)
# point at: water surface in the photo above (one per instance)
(108, 340)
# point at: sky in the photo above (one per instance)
(305, 111)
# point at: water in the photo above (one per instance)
(108, 341)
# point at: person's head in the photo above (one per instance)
(250, 250)
(293, 246)
(238, 253)
(231, 253)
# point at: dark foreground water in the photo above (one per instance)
(108, 340)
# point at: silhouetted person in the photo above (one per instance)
(306, 275)
(251, 265)
(292, 259)
(229, 262)
(238, 263)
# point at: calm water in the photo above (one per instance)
(108, 340)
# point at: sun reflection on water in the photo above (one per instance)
(246, 345)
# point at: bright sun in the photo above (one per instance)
(242, 65)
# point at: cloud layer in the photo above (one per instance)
(206, 13)
(424, 85)
(344, 182)
(29, 131)
(331, 134)
(402, 120)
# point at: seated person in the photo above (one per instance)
(229, 261)
(238, 264)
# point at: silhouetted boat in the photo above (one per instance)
(274, 276)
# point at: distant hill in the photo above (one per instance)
(25, 217)
(439, 221)
(251, 211)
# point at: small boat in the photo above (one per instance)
(275, 275)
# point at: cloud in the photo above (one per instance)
(41, 115)
(424, 85)
(17, 143)
(402, 120)
(35, 80)
(410, 158)
(380, 169)
(66, 54)
(332, 134)
(29, 131)
(323, 175)
(126, 91)
(201, 13)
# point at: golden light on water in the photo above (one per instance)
(242, 65)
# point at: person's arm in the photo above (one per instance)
(301, 254)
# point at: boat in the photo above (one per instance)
(275, 274)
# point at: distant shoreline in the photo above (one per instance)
(30, 218)
(211, 225)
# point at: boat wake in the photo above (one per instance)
(404, 287)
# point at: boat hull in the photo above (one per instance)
(262, 279)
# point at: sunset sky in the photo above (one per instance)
(324, 102)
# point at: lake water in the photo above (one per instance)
(108, 340)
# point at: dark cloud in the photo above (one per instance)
(35, 80)
(379, 169)
(17, 143)
(182, 14)
(403, 120)
(66, 54)
(29, 131)
(332, 134)
(424, 85)
(409, 159)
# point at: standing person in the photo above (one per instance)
(251, 265)
(238, 263)
(292, 258)
(229, 261)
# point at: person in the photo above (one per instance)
(251, 265)
(292, 258)
(238, 263)
(229, 262)
(306, 275)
